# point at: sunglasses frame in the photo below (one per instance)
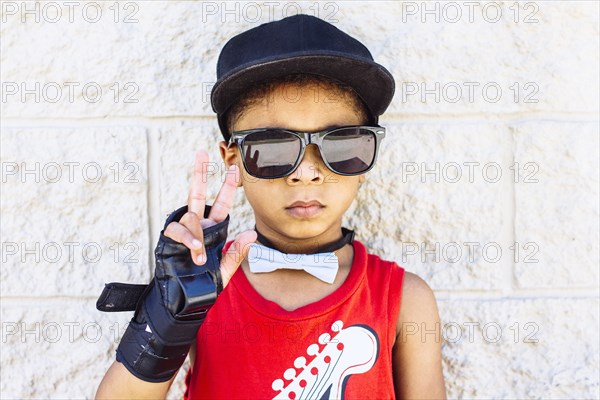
(307, 138)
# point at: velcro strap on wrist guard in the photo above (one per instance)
(195, 283)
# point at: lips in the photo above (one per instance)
(305, 209)
(305, 204)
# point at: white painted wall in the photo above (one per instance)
(523, 324)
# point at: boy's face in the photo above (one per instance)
(305, 108)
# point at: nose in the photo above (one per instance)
(311, 168)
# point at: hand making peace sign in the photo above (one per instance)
(188, 230)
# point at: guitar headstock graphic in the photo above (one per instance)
(336, 356)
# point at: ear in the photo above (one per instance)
(229, 154)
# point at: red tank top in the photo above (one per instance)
(338, 347)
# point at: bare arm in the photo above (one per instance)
(119, 383)
(417, 353)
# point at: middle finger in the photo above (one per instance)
(224, 200)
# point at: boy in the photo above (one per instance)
(308, 313)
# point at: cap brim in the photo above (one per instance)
(372, 82)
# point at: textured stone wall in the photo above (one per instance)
(487, 185)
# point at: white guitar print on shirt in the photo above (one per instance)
(353, 350)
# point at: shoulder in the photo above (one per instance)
(415, 285)
(418, 304)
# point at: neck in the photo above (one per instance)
(333, 242)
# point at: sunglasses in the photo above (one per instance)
(270, 153)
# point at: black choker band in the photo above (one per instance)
(348, 237)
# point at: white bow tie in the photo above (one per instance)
(323, 266)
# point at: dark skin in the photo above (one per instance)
(417, 361)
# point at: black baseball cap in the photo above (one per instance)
(298, 44)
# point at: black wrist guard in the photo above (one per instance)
(168, 311)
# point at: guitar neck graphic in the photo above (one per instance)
(352, 350)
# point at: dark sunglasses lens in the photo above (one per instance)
(350, 150)
(271, 153)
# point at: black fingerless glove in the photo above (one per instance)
(168, 311)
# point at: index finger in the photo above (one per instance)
(197, 194)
